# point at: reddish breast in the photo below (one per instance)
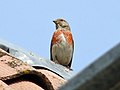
(67, 35)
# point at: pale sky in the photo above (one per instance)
(95, 25)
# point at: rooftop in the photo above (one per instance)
(24, 70)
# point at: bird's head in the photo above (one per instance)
(61, 23)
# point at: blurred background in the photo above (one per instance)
(95, 25)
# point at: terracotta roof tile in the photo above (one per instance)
(4, 86)
(56, 80)
(25, 85)
(17, 75)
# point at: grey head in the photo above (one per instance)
(61, 24)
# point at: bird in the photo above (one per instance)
(62, 44)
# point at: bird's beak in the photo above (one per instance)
(54, 21)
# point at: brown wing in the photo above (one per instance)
(51, 49)
(69, 65)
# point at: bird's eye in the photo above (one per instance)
(61, 20)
